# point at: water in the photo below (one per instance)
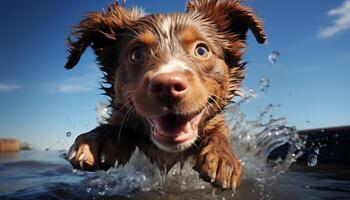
(264, 84)
(46, 175)
(102, 112)
(312, 160)
(68, 134)
(273, 57)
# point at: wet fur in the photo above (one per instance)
(224, 24)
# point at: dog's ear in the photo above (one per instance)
(97, 30)
(230, 16)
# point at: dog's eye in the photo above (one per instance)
(202, 51)
(137, 55)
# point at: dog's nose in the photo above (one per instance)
(172, 85)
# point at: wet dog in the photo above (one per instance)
(169, 79)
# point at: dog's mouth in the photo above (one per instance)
(175, 129)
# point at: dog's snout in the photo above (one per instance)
(173, 85)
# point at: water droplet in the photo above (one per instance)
(264, 84)
(63, 154)
(273, 57)
(312, 160)
(322, 131)
(307, 121)
(174, 172)
(47, 149)
(101, 193)
(317, 150)
(88, 190)
(299, 145)
(216, 192)
(102, 112)
(307, 187)
(68, 134)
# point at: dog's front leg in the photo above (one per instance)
(101, 148)
(215, 160)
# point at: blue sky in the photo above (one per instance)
(40, 101)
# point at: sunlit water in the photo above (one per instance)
(46, 175)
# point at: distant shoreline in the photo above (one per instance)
(13, 145)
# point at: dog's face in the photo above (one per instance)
(174, 70)
(170, 67)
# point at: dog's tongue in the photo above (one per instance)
(175, 129)
(172, 124)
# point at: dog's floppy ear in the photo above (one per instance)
(230, 16)
(97, 30)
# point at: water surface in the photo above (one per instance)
(45, 175)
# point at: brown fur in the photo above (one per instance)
(220, 26)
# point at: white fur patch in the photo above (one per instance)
(174, 65)
(166, 25)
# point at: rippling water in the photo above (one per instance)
(46, 175)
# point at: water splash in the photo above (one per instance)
(102, 112)
(312, 160)
(264, 84)
(252, 140)
(273, 57)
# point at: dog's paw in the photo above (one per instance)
(218, 165)
(92, 151)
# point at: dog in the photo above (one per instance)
(169, 77)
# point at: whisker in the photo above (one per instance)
(128, 92)
(123, 106)
(212, 94)
(216, 103)
(212, 107)
(121, 127)
(205, 108)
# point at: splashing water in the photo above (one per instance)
(102, 112)
(312, 160)
(273, 57)
(264, 84)
(252, 142)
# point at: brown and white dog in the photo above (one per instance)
(170, 76)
